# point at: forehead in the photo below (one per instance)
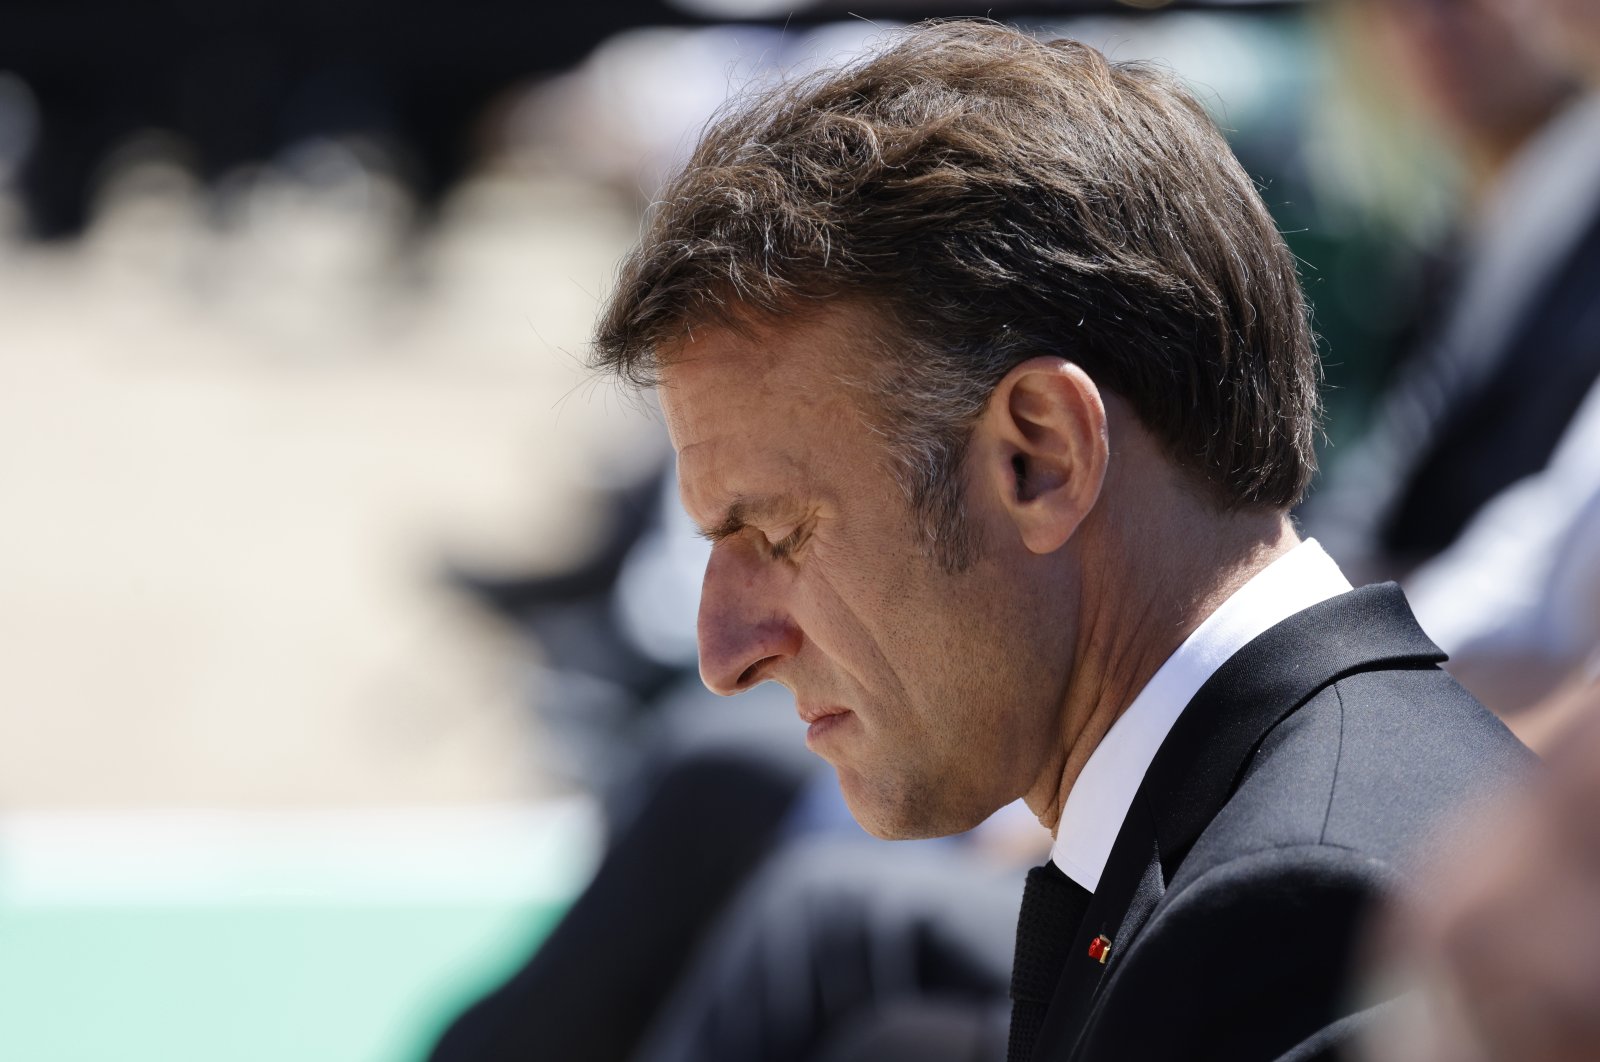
(751, 409)
(782, 370)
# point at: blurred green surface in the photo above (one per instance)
(307, 983)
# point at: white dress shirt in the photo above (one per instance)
(1101, 796)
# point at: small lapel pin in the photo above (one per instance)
(1100, 949)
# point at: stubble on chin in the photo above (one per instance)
(899, 808)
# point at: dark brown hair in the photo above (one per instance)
(992, 197)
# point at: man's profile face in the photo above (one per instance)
(933, 695)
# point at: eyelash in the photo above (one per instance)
(785, 547)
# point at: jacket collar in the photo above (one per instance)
(1203, 757)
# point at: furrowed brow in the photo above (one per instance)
(740, 513)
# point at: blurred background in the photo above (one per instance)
(325, 637)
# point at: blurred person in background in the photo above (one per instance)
(1518, 597)
(1502, 937)
(1512, 345)
(1477, 468)
(1567, 29)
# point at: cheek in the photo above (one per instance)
(928, 646)
(855, 615)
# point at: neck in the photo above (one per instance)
(1142, 597)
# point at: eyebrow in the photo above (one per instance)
(742, 511)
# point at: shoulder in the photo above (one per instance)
(1249, 950)
(1368, 765)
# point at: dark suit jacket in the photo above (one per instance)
(1509, 425)
(1290, 794)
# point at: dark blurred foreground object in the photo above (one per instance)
(1505, 941)
(239, 81)
(837, 935)
(592, 987)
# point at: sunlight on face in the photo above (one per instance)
(932, 694)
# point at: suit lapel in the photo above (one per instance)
(1202, 759)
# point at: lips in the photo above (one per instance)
(825, 723)
(811, 714)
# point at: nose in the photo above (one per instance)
(744, 627)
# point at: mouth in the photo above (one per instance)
(812, 713)
(825, 721)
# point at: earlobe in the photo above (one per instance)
(1049, 419)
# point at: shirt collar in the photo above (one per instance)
(1100, 798)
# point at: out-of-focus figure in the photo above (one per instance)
(1569, 29)
(1484, 88)
(1504, 943)
(1504, 365)
(1474, 485)
(1516, 598)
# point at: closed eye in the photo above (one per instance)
(785, 547)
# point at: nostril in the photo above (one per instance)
(747, 678)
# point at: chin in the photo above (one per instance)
(902, 810)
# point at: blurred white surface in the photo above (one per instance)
(233, 455)
(533, 854)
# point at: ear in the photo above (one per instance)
(1044, 447)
